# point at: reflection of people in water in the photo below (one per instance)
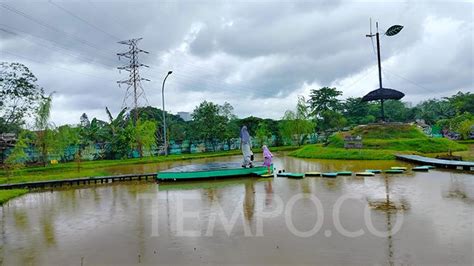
(245, 146)
(268, 193)
(249, 201)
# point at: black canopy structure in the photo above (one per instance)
(381, 94)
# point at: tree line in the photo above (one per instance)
(121, 137)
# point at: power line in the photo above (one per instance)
(62, 68)
(53, 46)
(410, 81)
(48, 26)
(105, 14)
(14, 31)
(84, 21)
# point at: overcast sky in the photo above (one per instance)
(258, 56)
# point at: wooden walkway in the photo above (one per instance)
(80, 181)
(437, 162)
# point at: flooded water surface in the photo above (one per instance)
(410, 218)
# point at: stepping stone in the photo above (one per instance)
(330, 175)
(290, 175)
(420, 168)
(365, 174)
(398, 168)
(393, 171)
(375, 171)
(344, 173)
(312, 174)
(428, 166)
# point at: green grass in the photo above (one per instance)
(423, 145)
(469, 141)
(381, 142)
(319, 152)
(388, 131)
(398, 138)
(99, 168)
(6, 195)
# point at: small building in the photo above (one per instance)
(186, 116)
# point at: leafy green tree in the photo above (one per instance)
(465, 128)
(324, 99)
(295, 126)
(20, 96)
(461, 124)
(145, 131)
(263, 134)
(118, 136)
(357, 112)
(332, 120)
(65, 137)
(462, 102)
(17, 158)
(251, 123)
(209, 125)
(433, 110)
(287, 127)
(43, 139)
(396, 111)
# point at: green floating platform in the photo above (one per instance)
(403, 168)
(330, 175)
(312, 174)
(210, 171)
(344, 173)
(365, 174)
(290, 175)
(421, 169)
(393, 171)
(375, 171)
(267, 175)
(428, 166)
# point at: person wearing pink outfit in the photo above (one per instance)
(267, 157)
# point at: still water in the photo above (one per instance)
(248, 220)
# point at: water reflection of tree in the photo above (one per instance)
(457, 189)
(389, 207)
(332, 184)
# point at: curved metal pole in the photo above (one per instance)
(163, 112)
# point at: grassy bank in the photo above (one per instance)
(381, 142)
(319, 152)
(6, 195)
(99, 168)
(422, 145)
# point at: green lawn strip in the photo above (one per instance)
(423, 145)
(388, 131)
(318, 152)
(96, 168)
(70, 174)
(469, 141)
(8, 194)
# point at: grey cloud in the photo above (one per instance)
(260, 50)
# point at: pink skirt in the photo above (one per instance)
(267, 162)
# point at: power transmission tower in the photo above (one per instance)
(134, 79)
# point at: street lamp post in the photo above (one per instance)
(163, 111)
(393, 30)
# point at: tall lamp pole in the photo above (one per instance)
(164, 118)
(393, 30)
